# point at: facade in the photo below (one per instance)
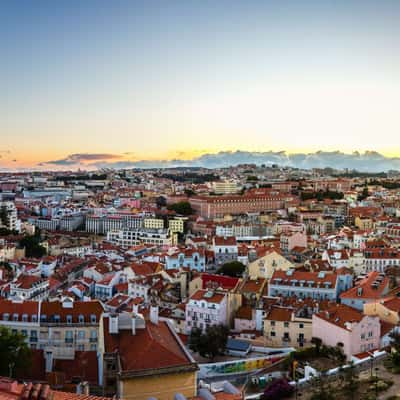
(316, 285)
(128, 238)
(225, 249)
(194, 259)
(29, 287)
(284, 326)
(9, 220)
(265, 266)
(210, 207)
(205, 308)
(357, 333)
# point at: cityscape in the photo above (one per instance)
(199, 200)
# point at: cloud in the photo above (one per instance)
(82, 158)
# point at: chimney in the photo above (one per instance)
(83, 388)
(154, 314)
(133, 324)
(49, 361)
(113, 323)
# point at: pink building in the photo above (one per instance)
(205, 308)
(289, 240)
(357, 332)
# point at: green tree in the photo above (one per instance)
(32, 246)
(182, 208)
(234, 269)
(317, 342)
(4, 217)
(210, 343)
(15, 354)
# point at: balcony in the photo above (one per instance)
(285, 339)
(33, 339)
(93, 340)
(69, 340)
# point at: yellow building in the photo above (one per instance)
(153, 223)
(282, 327)
(265, 266)
(364, 223)
(177, 225)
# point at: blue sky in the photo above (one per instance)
(159, 79)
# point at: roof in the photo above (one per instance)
(18, 309)
(366, 289)
(224, 282)
(237, 345)
(12, 390)
(208, 296)
(294, 278)
(85, 308)
(225, 241)
(340, 314)
(154, 347)
(279, 313)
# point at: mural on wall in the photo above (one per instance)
(237, 367)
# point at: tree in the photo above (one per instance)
(210, 343)
(322, 389)
(234, 269)
(364, 194)
(182, 208)
(4, 217)
(317, 342)
(15, 354)
(32, 246)
(395, 344)
(351, 381)
(278, 389)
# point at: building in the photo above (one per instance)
(210, 207)
(29, 287)
(286, 326)
(191, 258)
(153, 223)
(225, 187)
(146, 359)
(341, 324)
(368, 288)
(128, 238)
(301, 284)
(265, 266)
(225, 249)
(8, 215)
(289, 240)
(206, 308)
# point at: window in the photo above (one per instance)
(286, 324)
(15, 317)
(93, 347)
(81, 319)
(34, 318)
(24, 317)
(301, 326)
(69, 319)
(93, 318)
(272, 333)
(6, 317)
(272, 323)
(24, 332)
(43, 318)
(81, 334)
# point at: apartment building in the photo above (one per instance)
(356, 333)
(205, 308)
(128, 238)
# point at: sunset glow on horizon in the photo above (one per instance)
(130, 81)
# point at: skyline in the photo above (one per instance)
(178, 80)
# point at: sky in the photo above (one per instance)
(84, 81)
